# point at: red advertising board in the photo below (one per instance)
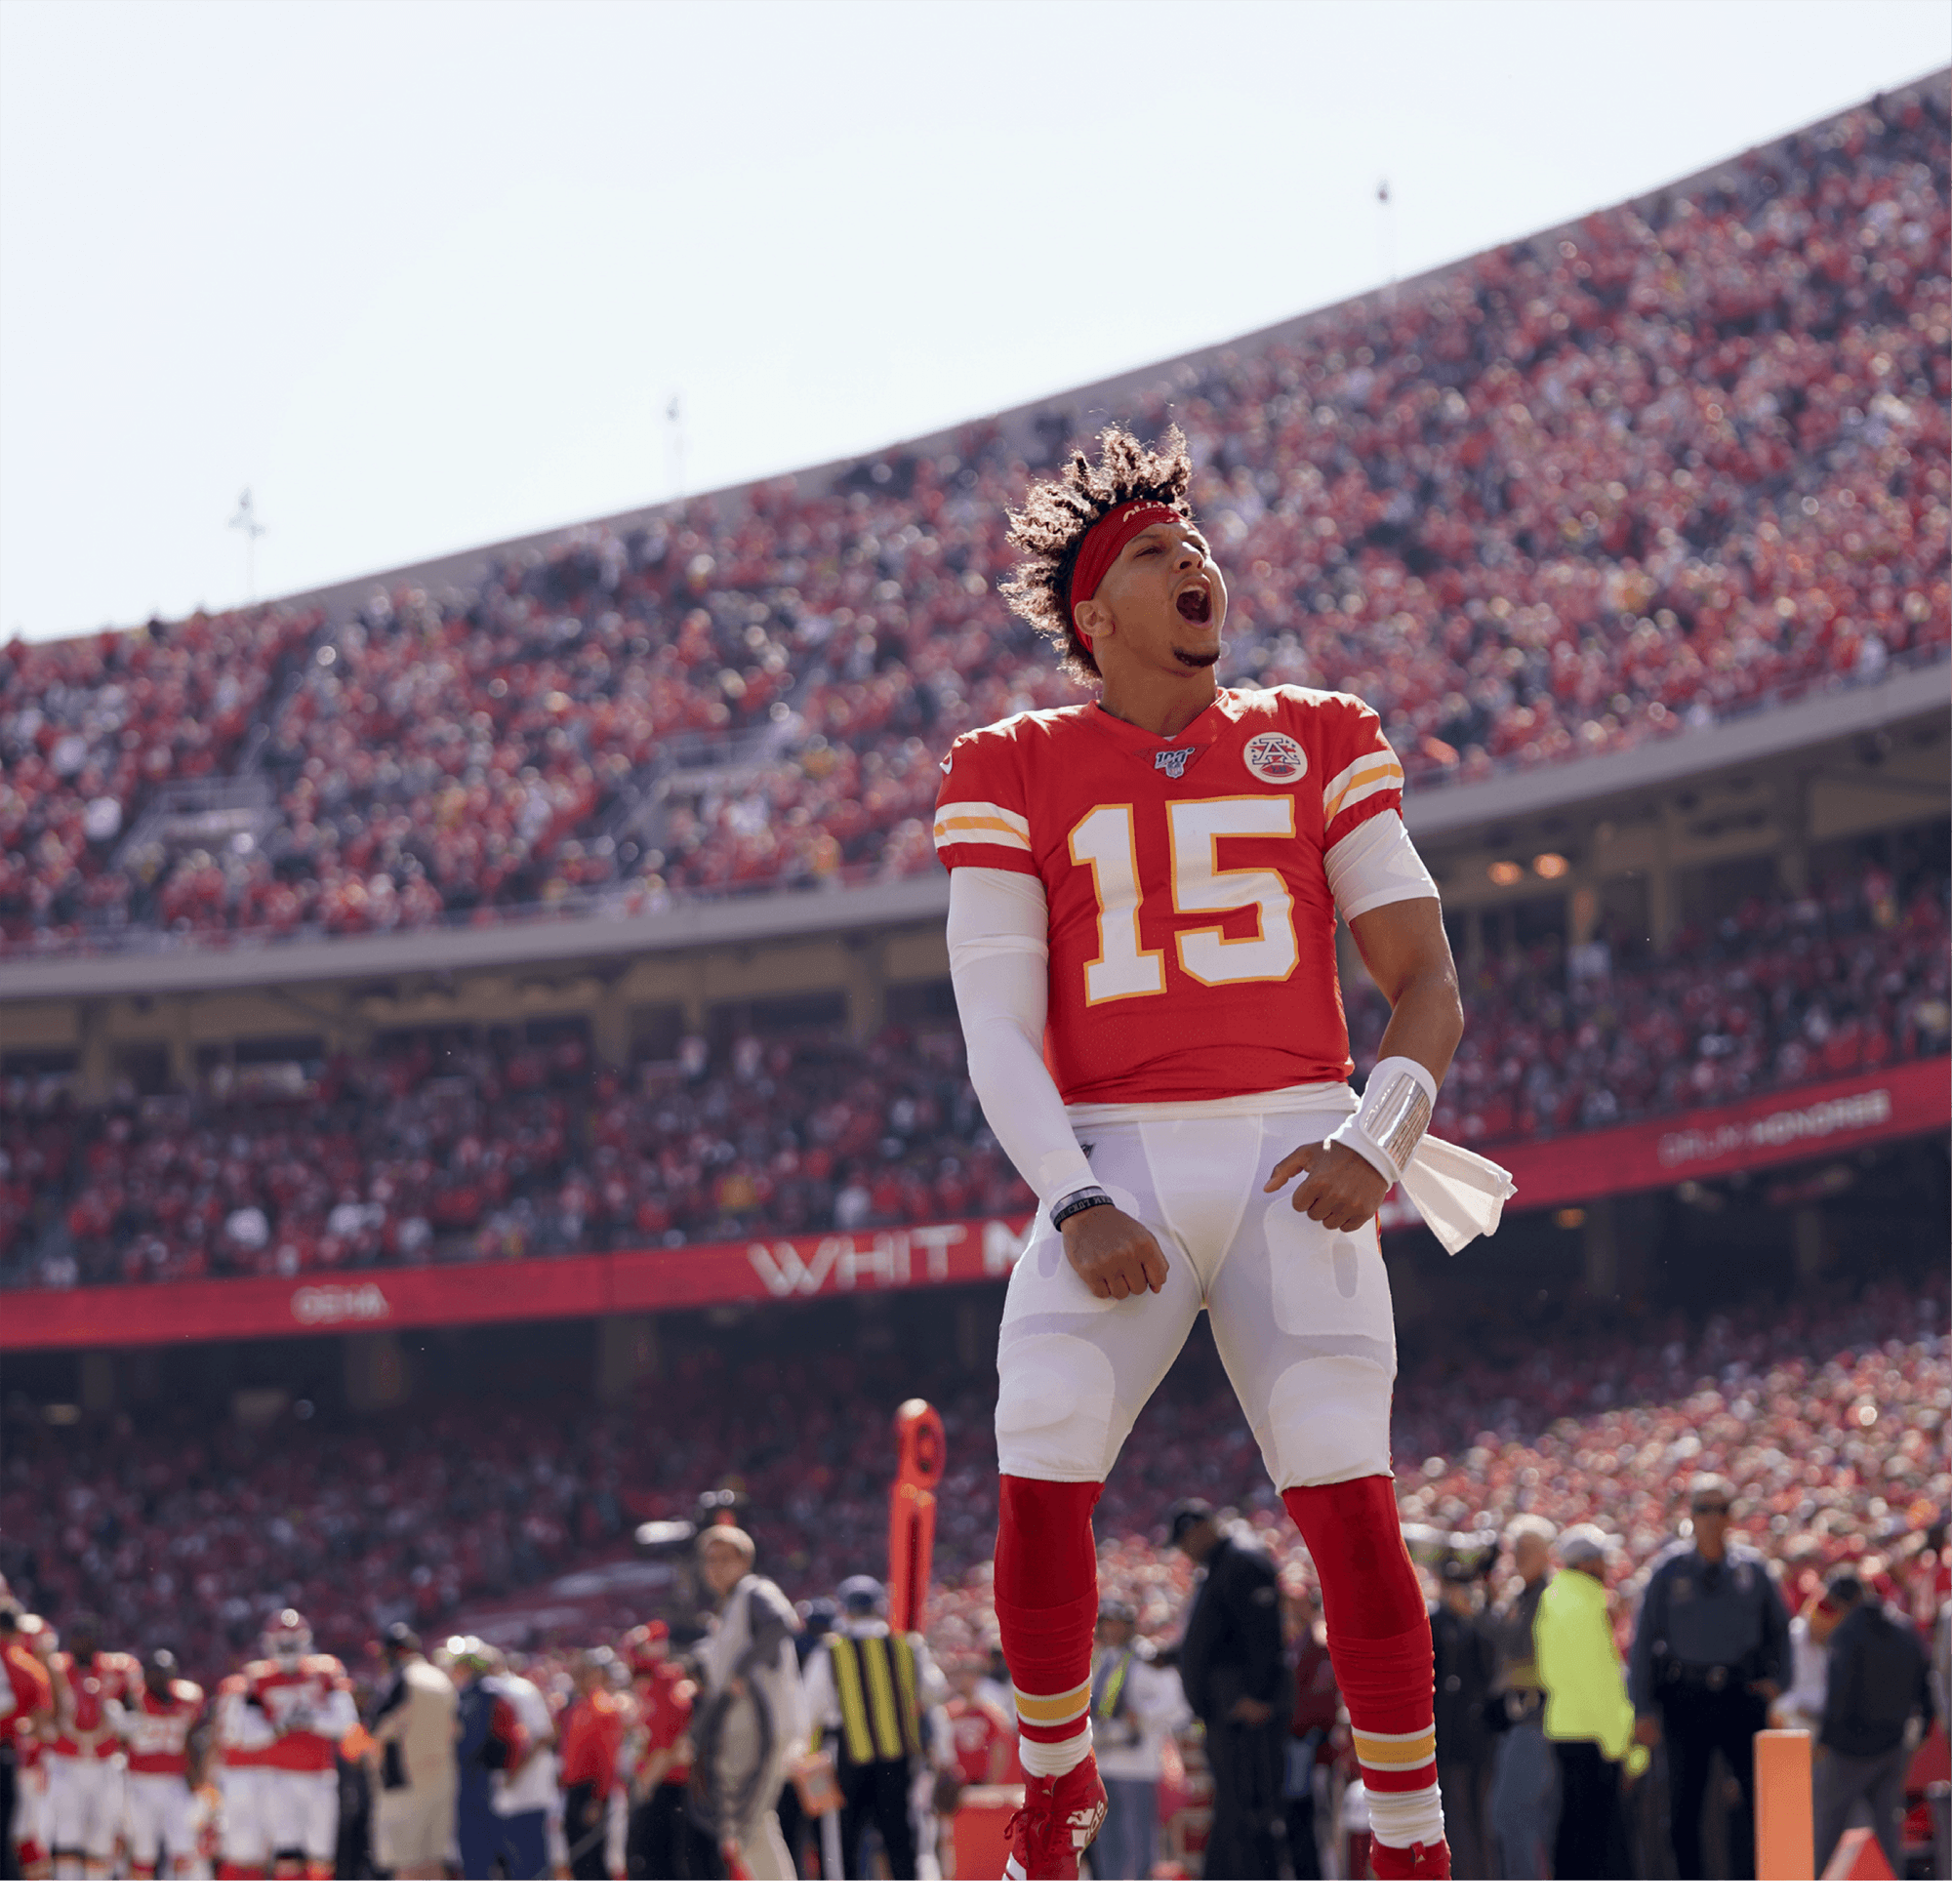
(1807, 1121)
(515, 1292)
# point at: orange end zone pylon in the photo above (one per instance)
(921, 1452)
(1785, 1821)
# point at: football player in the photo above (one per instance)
(26, 1723)
(244, 1737)
(157, 1723)
(1143, 894)
(309, 1700)
(85, 1760)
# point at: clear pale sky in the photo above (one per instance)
(425, 276)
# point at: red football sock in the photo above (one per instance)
(1379, 1642)
(1046, 1589)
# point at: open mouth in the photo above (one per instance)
(1195, 605)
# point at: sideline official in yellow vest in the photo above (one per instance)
(871, 1694)
(1588, 1717)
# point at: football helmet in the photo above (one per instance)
(287, 1638)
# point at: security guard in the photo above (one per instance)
(866, 1690)
(1711, 1649)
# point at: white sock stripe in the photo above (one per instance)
(1396, 1738)
(1404, 1818)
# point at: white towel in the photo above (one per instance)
(1456, 1192)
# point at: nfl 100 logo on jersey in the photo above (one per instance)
(1276, 758)
(1172, 761)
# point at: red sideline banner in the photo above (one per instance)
(619, 1283)
(1807, 1121)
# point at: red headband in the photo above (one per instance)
(1100, 550)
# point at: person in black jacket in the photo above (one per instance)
(1878, 1683)
(1235, 1673)
(1464, 1665)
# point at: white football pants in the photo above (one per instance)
(301, 1812)
(161, 1817)
(84, 1805)
(1301, 1314)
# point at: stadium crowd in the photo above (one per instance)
(1826, 1417)
(435, 1149)
(1687, 457)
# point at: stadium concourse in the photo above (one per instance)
(451, 1150)
(1579, 493)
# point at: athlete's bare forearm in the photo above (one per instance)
(1426, 1023)
(1405, 951)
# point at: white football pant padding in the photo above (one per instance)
(246, 1839)
(84, 1805)
(1301, 1314)
(160, 1805)
(301, 1812)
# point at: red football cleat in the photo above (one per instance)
(1060, 1817)
(1409, 1860)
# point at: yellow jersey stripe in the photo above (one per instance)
(979, 832)
(1335, 796)
(982, 810)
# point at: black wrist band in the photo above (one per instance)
(1082, 1199)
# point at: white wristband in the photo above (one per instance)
(1391, 1118)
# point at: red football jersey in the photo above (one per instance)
(1192, 930)
(158, 1731)
(976, 1728)
(92, 1686)
(297, 1698)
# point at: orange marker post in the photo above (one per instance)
(920, 1455)
(1785, 1819)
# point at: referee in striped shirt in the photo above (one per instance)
(867, 1689)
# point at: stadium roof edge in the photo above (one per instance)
(1434, 812)
(1088, 406)
(1433, 815)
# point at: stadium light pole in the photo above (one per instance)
(246, 523)
(674, 446)
(1386, 241)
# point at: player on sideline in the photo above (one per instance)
(1141, 930)
(309, 1700)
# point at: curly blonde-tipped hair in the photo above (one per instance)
(1057, 513)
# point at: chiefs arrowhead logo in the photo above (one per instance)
(1276, 759)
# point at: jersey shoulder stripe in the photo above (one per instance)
(1361, 780)
(980, 823)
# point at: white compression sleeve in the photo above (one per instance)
(1000, 962)
(1376, 865)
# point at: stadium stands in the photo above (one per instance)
(1688, 458)
(181, 1530)
(439, 1149)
